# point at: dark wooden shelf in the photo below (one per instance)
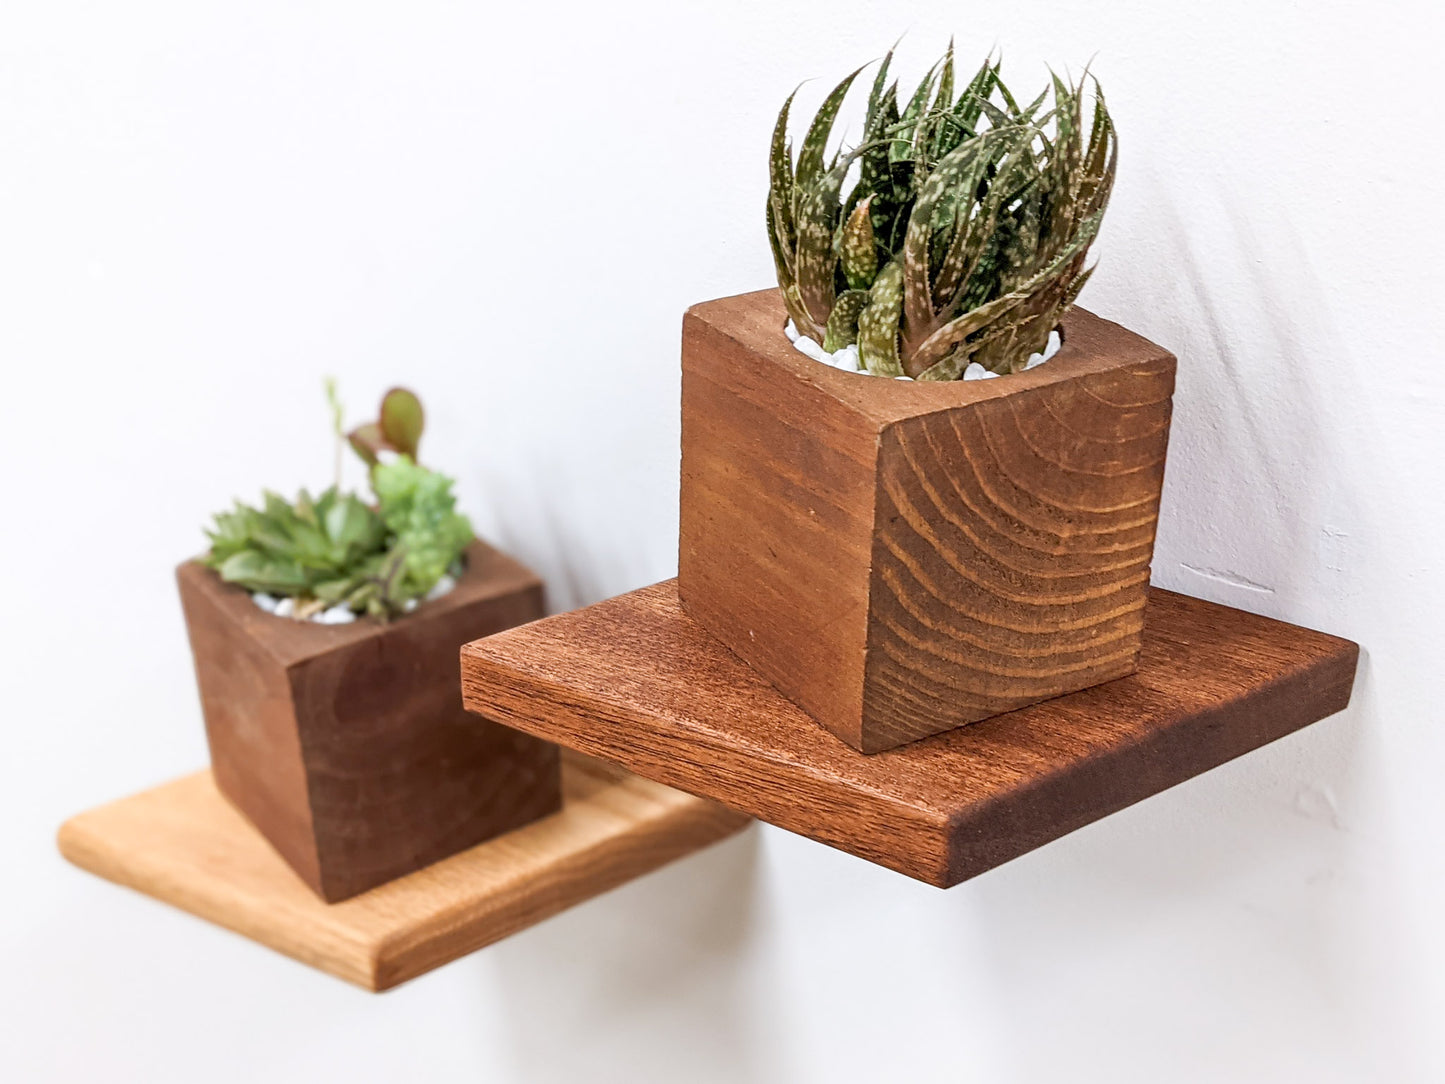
(636, 681)
(183, 844)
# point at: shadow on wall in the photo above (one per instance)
(585, 542)
(1257, 511)
(588, 992)
(1230, 913)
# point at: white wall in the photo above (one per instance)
(205, 208)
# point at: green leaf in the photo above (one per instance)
(843, 323)
(335, 591)
(258, 571)
(874, 173)
(960, 172)
(878, 323)
(402, 420)
(947, 337)
(817, 262)
(981, 213)
(368, 442)
(810, 156)
(418, 508)
(880, 81)
(858, 248)
(780, 196)
(978, 219)
(942, 104)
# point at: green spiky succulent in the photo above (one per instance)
(964, 233)
(336, 549)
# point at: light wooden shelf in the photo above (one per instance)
(636, 681)
(182, 843)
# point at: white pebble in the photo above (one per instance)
(812, 349)
(341, 614)
(1050, 349)
(440, 588)
(409, 605)
(847, 358)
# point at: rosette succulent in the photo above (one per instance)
(336, 549)
(965, 227)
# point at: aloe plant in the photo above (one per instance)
(337, 550)
(965, 229)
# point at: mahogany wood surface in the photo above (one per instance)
(636, 681)
(347, 745)
(183, 844)
(902, 558)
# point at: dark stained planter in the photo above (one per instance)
(347, 745)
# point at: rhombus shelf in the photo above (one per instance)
(636, 681)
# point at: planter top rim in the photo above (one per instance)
(489, 573)
(1091, 345)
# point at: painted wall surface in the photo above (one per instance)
(206, 208)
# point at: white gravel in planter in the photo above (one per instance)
(342, 615)
(847, 358)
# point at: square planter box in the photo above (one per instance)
(902, 558)
(347, 745)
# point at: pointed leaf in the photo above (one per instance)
(810, 156)
(842, 327)
(780, 192)
(878, 323)
(903, 135)
(817, 221)
(943, 340)
(965, 164)
(858, 248)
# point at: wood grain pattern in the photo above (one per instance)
(637, 681)
(347, 745)
(900, 559)
(183, 844)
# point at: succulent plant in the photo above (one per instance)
(336, 549)
(964, 233)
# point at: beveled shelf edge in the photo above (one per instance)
(183, 844)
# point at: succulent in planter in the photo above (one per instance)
(964, 233)
(345, 742)
(335, 552)
(900, 557)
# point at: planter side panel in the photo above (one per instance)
(250, 721)
(400, 775)
(1012, 549)
(776, 520)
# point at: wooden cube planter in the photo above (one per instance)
(902, 558)
(347, 746)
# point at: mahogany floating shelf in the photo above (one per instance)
(183, 844)
(636, 681)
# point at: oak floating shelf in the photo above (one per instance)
(636, 681)
(183, 844)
